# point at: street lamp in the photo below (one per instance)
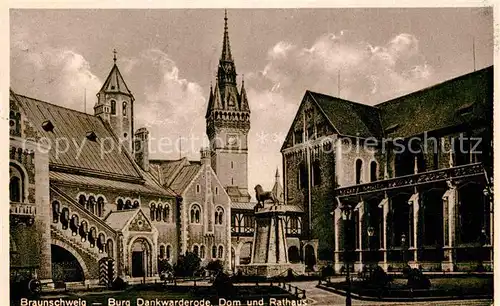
(346, 216)
(371, 233)
(403, 246)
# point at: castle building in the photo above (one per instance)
(412, 176)
(85, 187)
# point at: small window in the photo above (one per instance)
(373, 171)
(297, 136)
(216, 191)
(195, 214)
(196, 250)
(162, 251)
(152, 210)
(100, 206)
(197, 188)
(124, 111)
(214, 252)
(359, 170)
(113, 107)
(221, 252)
(219, 215)
(232, 165)
(166, 213)
(169, 251)
(202, 252)
(119, 204)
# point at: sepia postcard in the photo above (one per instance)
(251, 156)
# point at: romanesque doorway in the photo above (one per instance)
(65, 266)
(140, 254)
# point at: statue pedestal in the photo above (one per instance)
(269, 251)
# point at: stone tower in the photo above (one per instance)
(228, 123)
(115, 105)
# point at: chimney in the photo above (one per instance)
(141, 148)
(205, 156)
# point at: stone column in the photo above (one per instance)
(337, 216)
(449, 208)
(361, 212)
(385, 206)
(43, 217)
(414, 241)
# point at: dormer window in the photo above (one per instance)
(113, 107)
(47, 126)
(124, 109)
(91, 136)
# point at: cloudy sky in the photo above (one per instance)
(169, 59)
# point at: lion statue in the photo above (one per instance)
(262, 195)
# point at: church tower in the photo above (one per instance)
(228, 123)
(115, 106)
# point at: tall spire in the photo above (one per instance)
(226, 47)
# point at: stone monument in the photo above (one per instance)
(269, 249)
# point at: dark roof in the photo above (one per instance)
(347, 117)
(71, 127)
(115, 83)
(465, 99)
(177, 174)
(185, 176)
(462, 100)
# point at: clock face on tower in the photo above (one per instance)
(232, 140)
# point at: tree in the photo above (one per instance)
(187, 264)
(215, 266)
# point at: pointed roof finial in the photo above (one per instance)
(277, 175)
(114, 55)
(226, 48)
(243, 80)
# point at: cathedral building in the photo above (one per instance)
(406, 181)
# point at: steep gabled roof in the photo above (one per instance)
(465, 99)
(114, 83)
(347, 117)
(76, 151)
(177, 174)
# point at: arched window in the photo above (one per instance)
(196, 250)
(128, 204)
(195, 214)
(119, 204)
(202, 252)
(221, 252)
(373, 171)
(91, 204)
(124, 110)
(152, 209)
(15, 189)
(100, 206)
(166, 213)
(359, 170)
(214, 252)
(162, 251)
(56, 210)
(109, 248)
(316, 173)
(136, 204)
(219, 215)
(169, 250)
(197, 188)
(16, 185)
(158, 212)
(82, 200)
(113, 107)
